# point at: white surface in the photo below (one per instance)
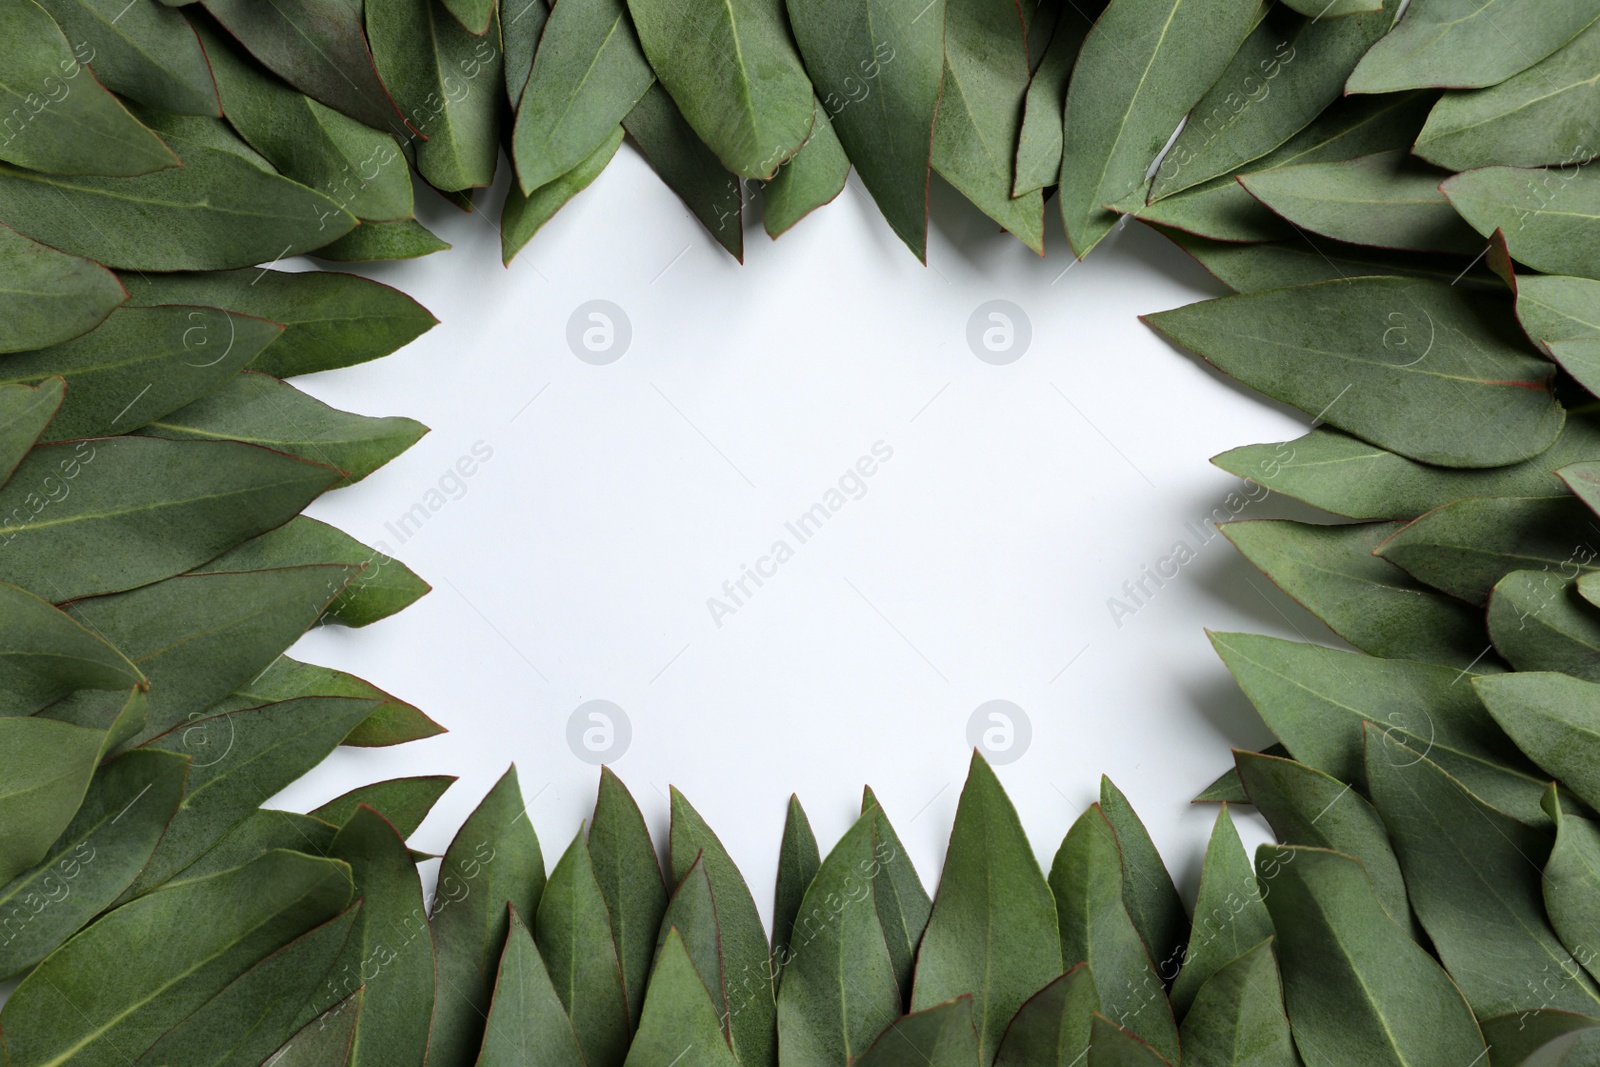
(577, 562)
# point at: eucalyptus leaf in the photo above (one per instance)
(734, 73)
(1230, 922)
(521, 24)
(940, 1036)
(47, 296)
(325, 1041)
(903, 904)
(810, 178)
(147, 52)
(1112, 1046)
(798, 862)
(1398, 362)
(678, 1015)
(405, 802)
(371, 241)
(25, 411)
(1466, 44)
(392, 722)
(1357, 988)
(1554, 308)
(989, 933)
(586, 77)
(1039, 142)
(526, 1013)
(625, 866)
(1571, 880)
(1540, 1038)
(692, 914)
(46, 654)
(1142, 67)
(1367, 601)
(493, 861)
(574, 935)
(57, 119)
(1303, 259)
(1053, 1027)
(1238, 1017)
(72, 1008)
(688, 167)
(1539, 622)
(474, 15)
(258, 833)
(838, 981)
(878, 68)
(45, 767)
(1551, 717)
(1550, 216)
(1153, 901)
(523, 216)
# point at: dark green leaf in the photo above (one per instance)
(405, 802)
(810, 178)
(1357, 988)
(1112, 1046)
(1307, 807)
(1142, 67)
(989, 934)
(940, 1036)
(574, 935)
(48, 296)
(838, 982)
(371, 241)
(521, 25)
(324, 1041)
(678, 1015)
(526, 1013)
(390, 937)
(102, 849)
(1096, 928)
(1229, 919)
(878, 67)
(391, 723)
(692, 915)
(523, 216)
(746, 955)
(688, 167)
(494, 859)
(798, 862)
(1571, 880)
(1541, 1038)
(1052, 1029)
(74, 1008)
(1303, 259)
(46, 654)
(1039, 143)
(25, 411)
(903, 904)
(1539, 622)
(45, 766)
(586, 77)
(474, 15)
(1396, 361)
(625, 865)
(146, 51)
(58, 119)
(1465, 44)
(1372, 604)
(258, 833)
(1238, 1017)
(1552, 718)
(1550, 217)
(1153, 902)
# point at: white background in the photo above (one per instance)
(578, 560)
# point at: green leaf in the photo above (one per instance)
(798, 862)
(258, 833)
(1336, 946)
(1539, 622)
(1532, 119)
(1552, 308)
(57, 119)
(586, 77)
(1053, 1027)
(324, 1041)
(74, 1009)
(1142, 67)
(692, 914)
(746, 955)
(1583, 479)
(494, 860)
(980, 113)
(1396, 361)
(1342, 474)
(1238, 1016)
(989, 934)
(102, 849)
(523, 216)
(1302, 260)
(1473, 886)
(574, 935)
(1466, 44)
(330, 320)
(1387, 200)
(1550, 217)
(810, 178)
(360, 168)
(878, 67)
(266, 1004)
(1229, 918)
(25, 411)
(688, 167)
(1466, 547)
(398, 1000)
(1333, 9)
(903, 904)
(1307, 807)
(1316, 701)
(320, 48)
(1112, 1046)
(521, 24)
(238, 760)
(405, 802)
(391, 723)
(1371, 603)
(1039, 143)
(838, 982)
(678, 1015)
(734, 73)
(140, 364)
(1571, 880)
(372, 241)
(147, 52)
(378, 585)
(940, 1036)
(474, 15)
(48, 296)
(1284, 75)
(1551, 717)
(263, 410)
(448, 83)
(45, 766)
(526, 1013)
(1537, 1038)
(1096, 928)
(1153, 902)
(625, 865)
(46, 654)
(217, 210)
